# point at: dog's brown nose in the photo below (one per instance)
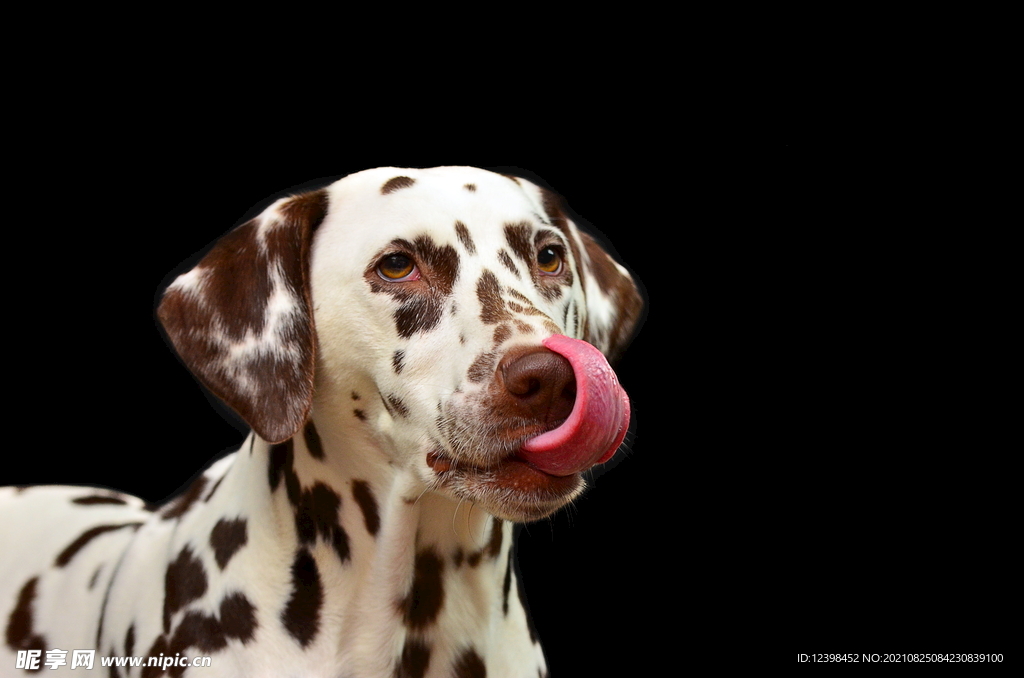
(541, 384)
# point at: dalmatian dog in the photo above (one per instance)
(423, 357)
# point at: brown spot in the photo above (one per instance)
(441, 261)
(507, 262)
(65, 556)
(507, 585)
(398, 361)
(229, 304)
(494, 545)
(470, 187)
(482, 367)
(19, 624)
(158, 648)
(368, 504)
(204, 631)
(355, 396)
(458, 557)
(197, 629)
(518, 237)
(301, 616)
(397, 406)
(501, 334)
(282, 456)
(396, 183)
(92, 500)
(317, 514)
(360, 415)
(178, 507)
(421, 315)
(414, 661)
(469, 665)
(520, 296)
(426, 597)
(312, 440)
(184, 582)
(226, 538)
(238, 617)
(463, 234)
(492, 306)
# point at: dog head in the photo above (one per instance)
(456, 316)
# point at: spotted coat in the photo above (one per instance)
(383, 337)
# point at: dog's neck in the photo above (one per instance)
(383, 561)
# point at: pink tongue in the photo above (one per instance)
(599, 418)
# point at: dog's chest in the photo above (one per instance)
(287, 581)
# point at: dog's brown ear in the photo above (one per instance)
(614, 305)
(242, 319)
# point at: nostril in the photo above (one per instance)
(522, 385)
(532, 388)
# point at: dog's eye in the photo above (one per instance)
(397, 267)
(549, 261)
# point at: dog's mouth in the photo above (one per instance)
(511, 488)
(511, 472)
